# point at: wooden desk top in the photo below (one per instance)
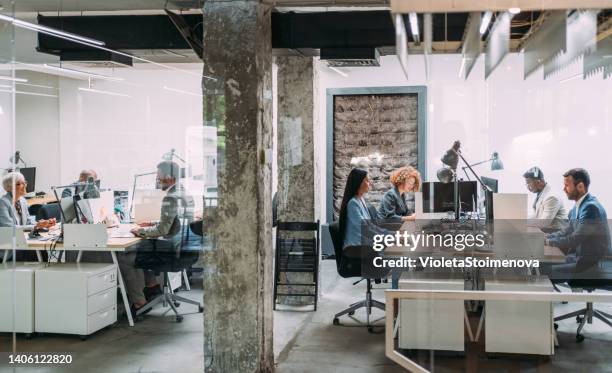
(42, 200)
(114, 243)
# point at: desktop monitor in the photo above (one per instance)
(440, 197)
(491, 183)
(29, 173)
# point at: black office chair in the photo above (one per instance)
(166, 261)
(601, 280)
(348, 264)
(48, 211)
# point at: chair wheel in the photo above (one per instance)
(370, 329)
(28, 336)
(177, 304)
(556, 326)
(579, 338)
(83, 337)
(579, 319)
(336, 321)
(200, 309)
(351, 313)
(179, 318)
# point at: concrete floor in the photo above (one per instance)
(304, 341)
(322, 347)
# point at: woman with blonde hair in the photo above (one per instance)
(393, 204)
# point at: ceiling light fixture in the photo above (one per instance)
(84, 74)
(414, 26)
(18, 80)
(486, 20)
(49, 30)
(103, 92)
(29, 93)
(338, 71)
(514, 10)
(182, 92)
(38, 86)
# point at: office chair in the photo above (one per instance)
(165, 261)
(48, 211)
(350, 266)
(601, 280)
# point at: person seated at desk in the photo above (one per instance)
(547, 211)
(79, 186)
(393, 204)
(14, 209)
(586, 240)
(164, 235)
(355, 212)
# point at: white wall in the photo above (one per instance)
(554, 124)
(116, 136)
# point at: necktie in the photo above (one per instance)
(18, 209)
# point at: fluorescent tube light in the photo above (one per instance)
(29, 93)
(38, 86)
(85, 74)
(570, 78)
(103, 92)
(484, 24)
(49, 30)
(338, 71)
(181, 91)
(514, 10)
(414, 26)
(19, 80)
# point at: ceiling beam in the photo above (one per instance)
(442, 6)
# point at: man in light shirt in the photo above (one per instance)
(547, 211)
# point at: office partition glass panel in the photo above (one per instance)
(10, 311)
(120, 172)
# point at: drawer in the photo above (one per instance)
(103, 300)
(101, 319)
(103, 281)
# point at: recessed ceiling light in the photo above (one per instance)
(514, 10)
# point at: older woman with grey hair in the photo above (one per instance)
(13, 206)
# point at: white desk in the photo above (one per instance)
(114, 246)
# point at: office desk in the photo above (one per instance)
(114, 246)
(41, 200)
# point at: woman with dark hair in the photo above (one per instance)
(354, 211)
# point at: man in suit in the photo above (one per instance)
(547, 211)
(586, 240)
(80, 185)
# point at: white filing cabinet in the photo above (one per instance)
(22, 297)
(76, 298)
(517, 326)
(429, 324)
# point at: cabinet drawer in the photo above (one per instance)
(103, 300)
(101, 319)
(101, 282)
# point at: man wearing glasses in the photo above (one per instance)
(547, 211)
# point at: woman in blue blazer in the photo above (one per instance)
(355, 212)
(393, 204)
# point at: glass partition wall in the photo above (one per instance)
(120, 168)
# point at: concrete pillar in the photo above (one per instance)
(295, 113)
(238, 267)
(295, 138)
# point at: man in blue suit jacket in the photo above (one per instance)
(587, 238)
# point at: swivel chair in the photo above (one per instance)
(348, 264)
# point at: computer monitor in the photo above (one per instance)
(491, 183)
(29, 173)
(440, 197)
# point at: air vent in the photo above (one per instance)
(351, 57)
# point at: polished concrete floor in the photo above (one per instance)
(304, 341)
